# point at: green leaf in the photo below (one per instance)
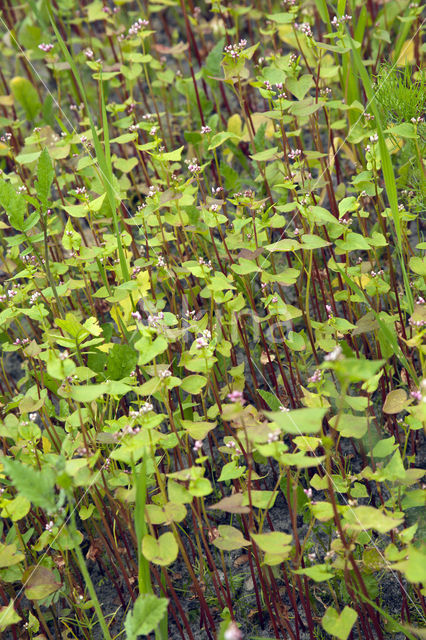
(395, 401)
(150, 349)
(24, 93)
(322, 511)
(418, 265)
(287, 244)
(39, 582)
(90, 392)
(121, 361)
(281, 18)
(299, 421)
(125, 164)
(271, 399)
(36, 486)
(198, 430)
(276, 545)
(300, 87)
(220, 138)
(319, 572)
(147, 613)
(193, 384)
(162, 551)
(14, 204)
(231, 471)
(8, 616)
(45, 175)
(230, 538)
(354, 369)
(365, 517)
(395, 470)
(403, 130)
(170, 512)
(171, 156)
(15, 509)
(267, 154)
(260, 499)
(311, 241)
(384, 447)
(414, 566)
(213, 60)
(9, 556)
(337, 625)
(350, 426)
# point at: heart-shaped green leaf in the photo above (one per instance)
(337, 625)
(162, 551)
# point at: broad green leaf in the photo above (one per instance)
(414, 565)
(231, 504)
(263, 156)
(299, 421)
(360, 518)
(384, 447)
(39, 582)
(26, 95)
(231, 471)
(147, 613)
(125, 164)
(150, 349)
(15, 509)
(311, 241)
(319, 572)
(395, 401)
(121, 361)
(287, 244)
(198, 430)
(354, 369)
(90, 392)
(276, 546)
(270, 399)
(339, 625)
(221, 137)
(162, 551)
(260, 499)
(300, 87)
(8, 616)
(170, 512)
(281, 18)
(403, 130)
(193, 384)
(418, 265)
(45, 175)
(36, 486)
(14, 204)
(9, 555)
(171, 156)
(322, 511)
(230, 538)
(350, 426)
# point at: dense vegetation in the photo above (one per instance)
(213, 319)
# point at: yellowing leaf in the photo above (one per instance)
(407, 54)
(8, 616)
(258, 119)
(235, 124)
(143, 283)
(122, 311)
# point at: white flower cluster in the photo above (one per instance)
(234, 50)
(136, 27)
(304, 28)
(44, 46)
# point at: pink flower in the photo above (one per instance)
(236, 396)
